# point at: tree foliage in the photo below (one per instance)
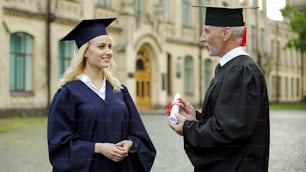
(297, 23)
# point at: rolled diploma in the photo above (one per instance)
(174, 110)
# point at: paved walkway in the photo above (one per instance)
(26, 150)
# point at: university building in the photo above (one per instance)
(156, 47)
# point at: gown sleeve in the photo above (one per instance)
(66, 151)
(145, 150)
(234, 119)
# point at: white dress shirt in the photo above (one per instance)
(87, 81)
(231, 55)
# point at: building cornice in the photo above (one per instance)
(181, 41)
(23, 13)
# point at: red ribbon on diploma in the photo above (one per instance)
(169, 107)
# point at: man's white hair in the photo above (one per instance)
(238, 32)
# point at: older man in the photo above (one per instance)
(231, 134)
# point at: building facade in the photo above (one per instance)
(156, 47)
(283, 67)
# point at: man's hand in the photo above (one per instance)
(178, 127)
(187, 110)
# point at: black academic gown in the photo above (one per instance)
(231, 133)
(79, 118)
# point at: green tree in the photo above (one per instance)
(297, 21)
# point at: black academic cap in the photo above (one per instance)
(87, 30)
(223, 16)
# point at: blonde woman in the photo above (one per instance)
(93, 124)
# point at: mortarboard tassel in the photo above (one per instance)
(244, 36)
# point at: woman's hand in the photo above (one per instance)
(112, 151)
(125, 144)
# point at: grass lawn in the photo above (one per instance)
(18, 123)
(288, 106)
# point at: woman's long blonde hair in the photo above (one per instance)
(77, 66)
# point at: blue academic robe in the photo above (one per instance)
(78, 118)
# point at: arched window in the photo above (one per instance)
(21, 63)
(188, 77)
(66, 51)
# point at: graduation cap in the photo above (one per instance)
(224, 16)
(88, 29)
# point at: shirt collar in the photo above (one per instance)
(87, 81)
(231, 55)
(84, 78)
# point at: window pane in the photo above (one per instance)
(139, 7)
(12, 72)
(28, 73)
(188, 75)
(19, 68)
(21, 50)
(104, 3)
(186, 13)
(165, 5)
(66, 53)
(28, 44)
(207, 75)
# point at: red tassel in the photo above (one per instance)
(243, 42)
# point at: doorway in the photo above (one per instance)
(143, 80)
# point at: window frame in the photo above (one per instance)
(66, 52)
(21, 64)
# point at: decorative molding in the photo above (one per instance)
(66, 8)
(22, 13)
(127, 7)
(149, 36)
(6, 27)
(181, 41)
